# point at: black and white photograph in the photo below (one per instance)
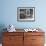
(26, 13)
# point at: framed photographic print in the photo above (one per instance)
(26, 14)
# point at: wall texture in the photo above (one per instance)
(8, 13)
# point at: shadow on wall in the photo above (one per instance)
(2, 26)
